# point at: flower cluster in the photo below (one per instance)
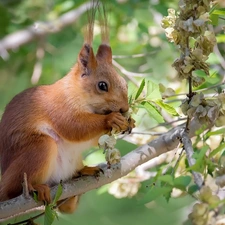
(221, 118)
(201, 213)
(220, 172)
(125, 187)
(107, 143)
(190, 22)
(206, 110)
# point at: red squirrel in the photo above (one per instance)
(45, 129)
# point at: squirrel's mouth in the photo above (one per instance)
(107, 112)
(102, 111)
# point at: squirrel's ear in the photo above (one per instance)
(86, 59)
(104, 53)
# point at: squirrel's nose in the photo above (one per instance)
(124, 109)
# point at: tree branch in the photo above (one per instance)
(129, 162)
(40, 29)
(189, 153)
(128, 74)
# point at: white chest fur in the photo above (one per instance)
(68, 161)
(68, 158)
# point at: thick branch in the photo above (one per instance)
(129, 162)
(39, 29)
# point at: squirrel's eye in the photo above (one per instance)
(103, 86)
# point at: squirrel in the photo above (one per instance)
(45, 129)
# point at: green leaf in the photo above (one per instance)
(49, 215)
(199, 156)
(221, 159)
(64, 6)
(146, 185)
(167, 195)
(219, 12)
(193, 188)
(140, 89)
(124, 146)
(130, 99)
(169, 109)
(214, 19)
(5, 20)
(220, 38)
(182, 182)
(154, 193)
(217, 132)
(153, 112)
(35, 196)
(210, 167)
(153, 92)
(201, 130)
(220, 148)
(167, 179)
(58, 193)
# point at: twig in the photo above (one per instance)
(40, 214)
(217, 52)
(211, 87)
(129, 74)
(38, 65)
(25, 186)
(220, 181)
(168, 123)
(134, 56)
(27, 220)
(190, 93)
(185, 139)
(147, 133)
(178, 160)
(129, 162)
(199, 90)
(125, 72)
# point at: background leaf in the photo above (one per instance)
(168, 179)
(139, 91)
(153, 112)
(154, 193)
(168, 108)
(182, 182)
(49, 215)
(58, 193)
(153, 91)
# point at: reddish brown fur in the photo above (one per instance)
(70, 205)
(64, 106)
(74, 109)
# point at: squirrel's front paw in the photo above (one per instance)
(131, 122)
(90, 171)
(117, 121)
(43, 192)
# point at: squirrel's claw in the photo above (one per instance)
(43, 192)
(131, 125)
(91, 171)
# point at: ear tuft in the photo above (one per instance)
(86, 59)
(84, 55)
(104, 53)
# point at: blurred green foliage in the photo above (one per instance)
(134, 29)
